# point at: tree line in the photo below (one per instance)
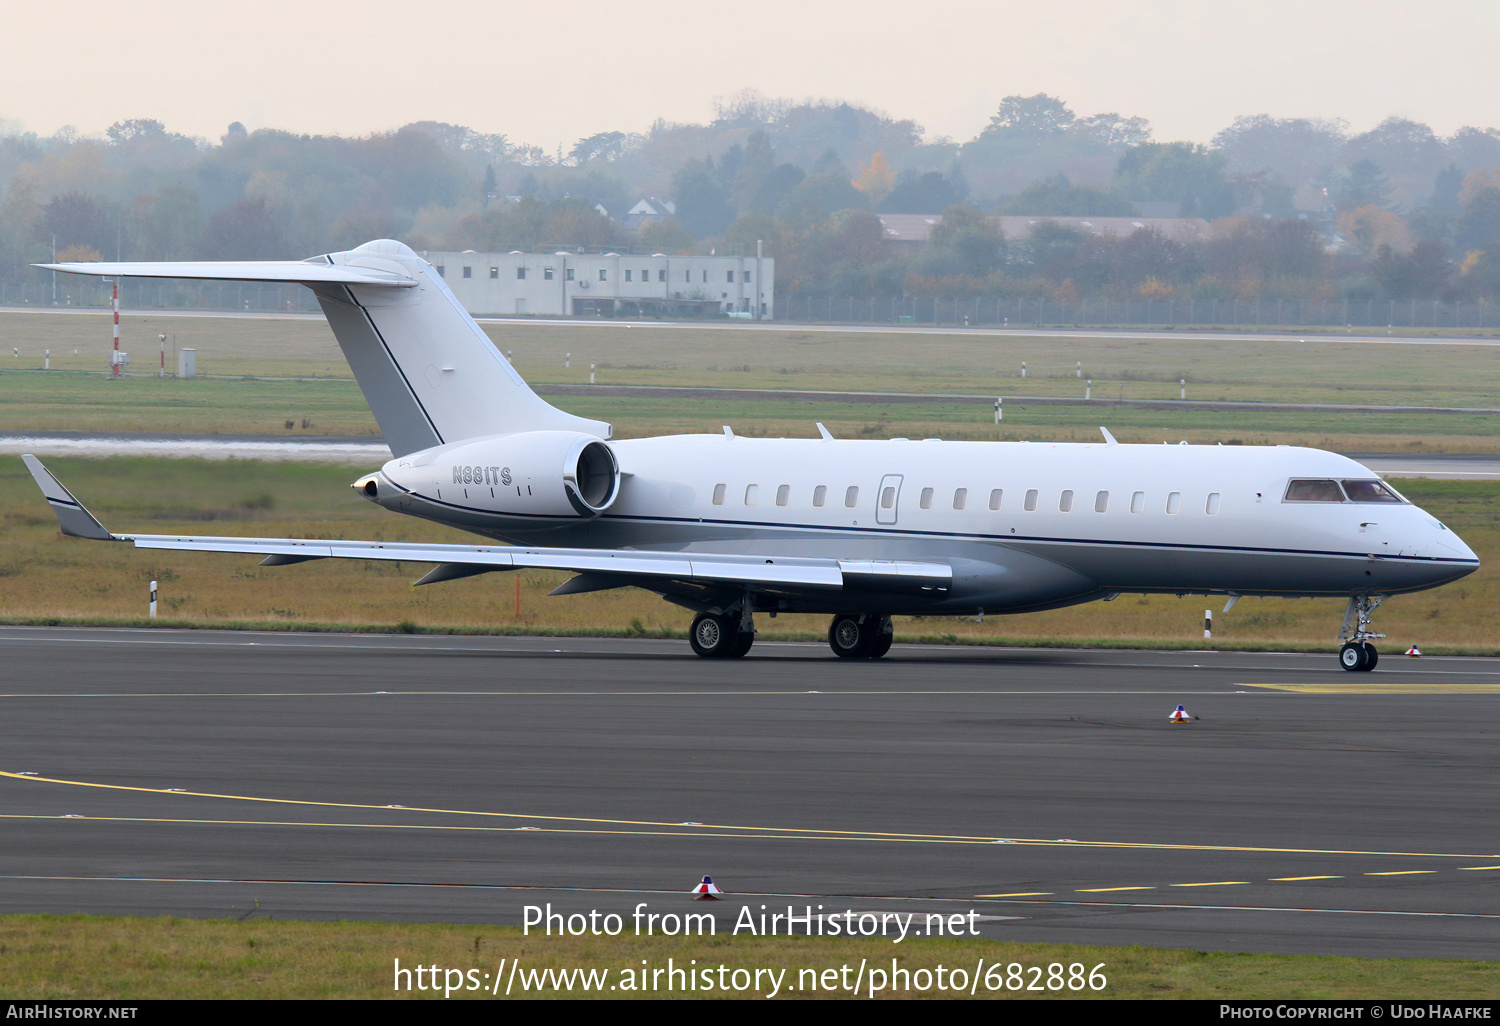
(1288, 208)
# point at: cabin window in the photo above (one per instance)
(1212, 506)
(1031, 497)
(719, 491)
(960, 498)
(851, 496)
(1371, 491)
(1314, 491)
(995, 496)
(926, 502)
(1065, 504)
(751, 491)
(1138, 502)
(887, 497)
(1101, 502)
(1174, 503)
(783, 495)
(820, 495)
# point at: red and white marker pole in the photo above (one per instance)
(115, 302)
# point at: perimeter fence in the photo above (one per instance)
(1367, 315)
(1416, 314)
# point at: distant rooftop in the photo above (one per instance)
(917, 228)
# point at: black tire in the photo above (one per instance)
(1353, 658)
(742, 643)
(1371, 656)
(882, 644)
(852, 639)
(712, 637)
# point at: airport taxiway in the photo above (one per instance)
(459, 779)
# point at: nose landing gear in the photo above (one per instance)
(1357, 654)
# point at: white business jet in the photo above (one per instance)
(729, 527)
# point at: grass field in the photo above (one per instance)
(78, 957)
(76, 396)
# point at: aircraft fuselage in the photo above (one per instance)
(1024, 525)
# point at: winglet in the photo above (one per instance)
(73, 518)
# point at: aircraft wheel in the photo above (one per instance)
(712, 637)
(1371, 656)
(851, 639)
(1353, 657)
(742, 642)
(882, 644)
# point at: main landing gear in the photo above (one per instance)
(856, 636)
(721, 635)
(1357, 654)
(729, 635)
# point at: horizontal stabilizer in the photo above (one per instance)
(296, 272)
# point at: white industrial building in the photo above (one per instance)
(609, 284)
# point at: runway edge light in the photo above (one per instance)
(1179, 715)
(707, 890)
(1413, 651)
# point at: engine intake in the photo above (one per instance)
(591, 477)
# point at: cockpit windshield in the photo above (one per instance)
(1326, 490)
(1371, 491)
(1314, 491)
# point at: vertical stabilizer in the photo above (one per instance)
(430, 374)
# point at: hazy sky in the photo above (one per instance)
(552, 73)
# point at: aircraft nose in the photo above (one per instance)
(1456, 547)
(1438, 543)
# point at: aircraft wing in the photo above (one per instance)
(603, 567)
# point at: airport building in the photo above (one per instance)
(609, 284)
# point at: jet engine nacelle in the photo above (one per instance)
(532, 473)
